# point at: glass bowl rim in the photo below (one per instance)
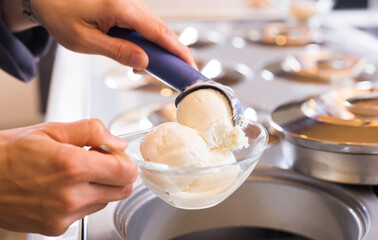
(176, 170)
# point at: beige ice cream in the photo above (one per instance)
(208, 112)
(175, 145)
(203, 136)
(202, 108)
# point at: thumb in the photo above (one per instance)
(88, 132)
(118, 49)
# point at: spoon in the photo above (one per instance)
(176, 73)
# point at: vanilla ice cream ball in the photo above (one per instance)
(175, 145)
(202, 108)
(216, 181)
(203, 136)
(220, 156)
(209, 112)
(193, 190)
(178, 145)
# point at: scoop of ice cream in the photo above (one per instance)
(202, 108)
(214, 182)
(203, 136)
(209, 112)
(217, 181)
(175, 145)
(178, 145)
(222, 134)
(221, 156)
(204, 188)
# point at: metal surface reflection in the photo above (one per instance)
(325, 211)
(229, 74)
(321, 67)
(284, 34)
(195, 38)
(326, 140)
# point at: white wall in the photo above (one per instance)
(19, 102)
(373, 4)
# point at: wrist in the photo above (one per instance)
(13, 17)
(28, 12)
(5, 135)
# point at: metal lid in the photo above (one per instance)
(197, 38)
(284, 34)
(344, 120)
(322, 66)
(325, 64)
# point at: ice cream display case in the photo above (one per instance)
(274, 201)
(279, 199)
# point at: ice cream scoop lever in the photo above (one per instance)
(176, 73)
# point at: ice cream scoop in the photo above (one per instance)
(176, 73)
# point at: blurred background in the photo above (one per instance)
(25, 104)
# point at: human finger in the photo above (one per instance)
(163, 36)
(139, 72)
(88, 132)
(113, 169)
(58, 224)
(105, 193)
(85, 194)
(73, 199)
(154, 29)
(118, 49)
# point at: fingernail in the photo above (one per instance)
(195, 66)
(120, 141)
(139, 61)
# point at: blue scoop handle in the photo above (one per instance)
(163, 65)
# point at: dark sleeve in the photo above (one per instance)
(20, 52)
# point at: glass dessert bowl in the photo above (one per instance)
(198, 187)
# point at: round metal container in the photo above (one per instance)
(332, 136)
(196, 38)
(284, 34)
(317, 66)
(272, 202)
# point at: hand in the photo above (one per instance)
(81, 25)
(48, 181)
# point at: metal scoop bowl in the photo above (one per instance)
(176, 73)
